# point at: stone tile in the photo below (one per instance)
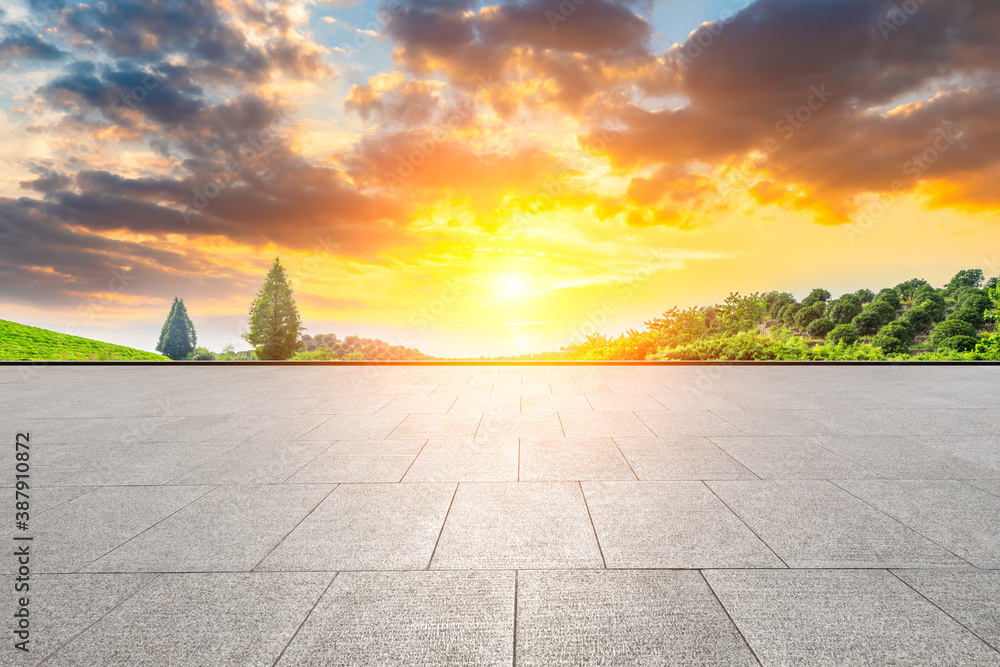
(269, 428)
(862, 422)
(686, 422)
(481, 404)
(384, 447)
(519, 425)
(758, 422)
(521, 389)
(982, 450)
(960, 518)
(410, 618)
(571, 459)
(460, 425)
(778, 457)
(350, 427)
(465, 460)
(517, 525)
(255, 463)
(190, 429)
(988, 485)
(153, 464)
(903, 458)
(953, 422)
(605, 402)
(602, 424)
(419, 404)
(815, 524)
(855, 617)
(281, 406)
(332, 467)
(971, 598)
(354, 405)
(44, 498)
(680, 458)
(555, 403)
(671, 525)
(623, 618)
(208, 619)
(578, 387)
(367, 527)
(70, 536)
(691, 400)
(230, 529)
(61, 606)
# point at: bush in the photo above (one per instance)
(900, 329)
(886, 311)
(842, 333)
(815, 296)
(805, 317)
(201, 354)
(890, 345)
(950, 329)
(977, 302)
(968, 278)
(919, 318)
(867, 323)
(970, 316)
(905, 290)
(865, 295)
(959, 343)
(789, 312)
(775, 301)
(820, 328)
(843, 310)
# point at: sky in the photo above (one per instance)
(477, 178)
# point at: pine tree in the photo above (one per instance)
(177, 337)
(275, 326)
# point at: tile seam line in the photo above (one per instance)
(941, 609)
(739, 631)
(303, 466)
(102, 617)
(430, 560)
(910, 528)
(292, 529)
(749, 527)
(148, 528)
(305, 618)
(422, 447)
(586, 505)
(627, 462)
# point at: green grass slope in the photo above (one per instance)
(19, 342)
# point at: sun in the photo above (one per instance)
(513, 286)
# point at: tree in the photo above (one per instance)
(865, 295)
(967, 278)
(843, 333)
(959, 344)
(843, 310)
(949, 329)
(816, 295)
(275, 325)
(970, 315)
(886, 311)
(977, 302)
(889, 296)
(177, 337)
(905, 290)
(900, 330)
(820, 328)
(868, 322)
(890, 345)
(806, 316)
(919, 318)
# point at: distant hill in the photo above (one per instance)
(19, 342)
(327, 347)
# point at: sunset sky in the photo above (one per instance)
(473, 178)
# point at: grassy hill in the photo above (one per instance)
(21, 342)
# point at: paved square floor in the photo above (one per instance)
(507, 515)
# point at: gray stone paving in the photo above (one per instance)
(509, 515)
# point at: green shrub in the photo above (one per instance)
(842, 333)
(968, 278)
(775, 301)
(886, 311)
(906, 289)
(900, 329)
(815, 296)
(950, 329)
(889, 344)
(865, 295)
(969, 315)
(919, 318)
(889, 296)
(789, 312)
(843, 310)
(200, 354)
(867, 323)
(978, 302)
(805, 317)
(959, 343)
(820, 328)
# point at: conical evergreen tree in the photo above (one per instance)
(177, 337)
(275, 326)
